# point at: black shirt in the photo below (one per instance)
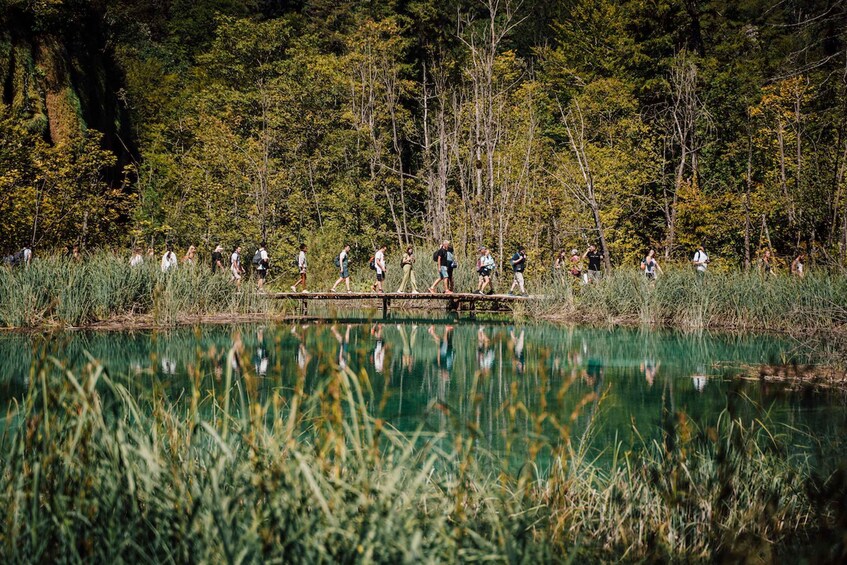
(518, 267)
(216, 257)
(442, 254)
(594, 260)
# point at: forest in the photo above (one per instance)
(632, 124)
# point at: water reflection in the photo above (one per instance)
(436, 374)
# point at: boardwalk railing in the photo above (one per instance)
(456, 302)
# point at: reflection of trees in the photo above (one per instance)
(493, 377)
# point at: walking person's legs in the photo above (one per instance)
(413, 281)
(519, 280)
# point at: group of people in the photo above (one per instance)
(651, 269)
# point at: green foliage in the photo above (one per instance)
(416, 121)
(96, 468)
(59, 291)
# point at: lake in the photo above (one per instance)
(606, 387)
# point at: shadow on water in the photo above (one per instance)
(497, 379)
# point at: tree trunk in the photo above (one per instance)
(747, 188)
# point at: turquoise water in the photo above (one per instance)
(442, 376)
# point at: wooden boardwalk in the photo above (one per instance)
(456, 302)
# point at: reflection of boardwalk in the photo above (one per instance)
(456, 302)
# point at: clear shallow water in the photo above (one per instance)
(441, 377)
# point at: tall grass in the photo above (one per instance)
(92, 472)
(720, 300)
(55, 291)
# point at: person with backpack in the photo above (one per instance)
(342, 261)
(485, 265)
(300, 263)
(440, 257)
(169, 260)
(380, 268)
(518, 262)
(27, 255)
(262, 261)
(407, 263)
(452, 265)
(650, 266)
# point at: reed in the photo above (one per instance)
(56, 291)
(720, 300)
(94, 472)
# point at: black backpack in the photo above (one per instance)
(372, 263)
(337, 261)
(435, 255)
(257, 257)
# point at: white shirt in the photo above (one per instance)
(27, 255)
(169, 261)
(235, 264)
(301, 261)
(263, 254)
(700, 259)
(379, 262)
(136, 260)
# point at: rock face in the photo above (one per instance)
(59, 76)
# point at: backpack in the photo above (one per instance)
(337, 261)
(296, 261)
(435, 255)
(643, 265)
(257, 257)
(451, 260)
(372, 263)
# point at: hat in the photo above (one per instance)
(574, 252)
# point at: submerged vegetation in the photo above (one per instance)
(94, 471)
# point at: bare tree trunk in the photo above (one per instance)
(747, 189)
(576, 139)
(783, 177)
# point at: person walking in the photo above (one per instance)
(575, 264)
(236, 270)
(379, 266)
(218, 259)
(169, 260)
(518, 262)
(650, 266)
(485, 266)
(440, 258)
(700, 261)
(27, 253)
(136, 260)
(301, 268)
(560, 266)
(594, 269)
(408, 264)
(343, 264)
(263, 262)
(190, 256)
(452, 265)
(766, 263)
(798, 266)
